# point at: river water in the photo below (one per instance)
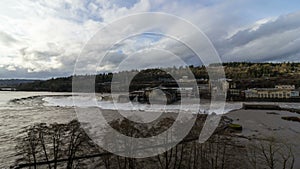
(47, 107)
(14, 116)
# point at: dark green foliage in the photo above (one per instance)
(244, 74)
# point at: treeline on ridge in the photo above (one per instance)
(244, 74)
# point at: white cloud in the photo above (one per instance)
(51, 34)
(114, 12)
(42, 36)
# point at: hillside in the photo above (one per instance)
(245, 75)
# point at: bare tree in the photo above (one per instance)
(270, 153)
(47, 143)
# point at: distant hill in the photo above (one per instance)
(63, 84)
(244, 74)
(14, 82)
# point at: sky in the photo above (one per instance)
(44, 38)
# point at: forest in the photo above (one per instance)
(244, 74)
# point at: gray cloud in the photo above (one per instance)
(267, 42)
(280, 25)
(7, 39)
(47, 40)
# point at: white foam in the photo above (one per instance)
(88, 101)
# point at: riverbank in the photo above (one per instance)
(256, 124)
(264, 124)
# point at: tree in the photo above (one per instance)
(51, 143)
(271, 154)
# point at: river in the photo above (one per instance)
(47, 107)
(14, 116)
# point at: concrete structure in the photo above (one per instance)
(8, 89)
(157, 94)
(186, 79)
(203, 87)
(251, 93)
(288, 87)
(295, 93)
(279, 92)
(186, 92)
(234, 92)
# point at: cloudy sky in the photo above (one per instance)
(43, 38)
